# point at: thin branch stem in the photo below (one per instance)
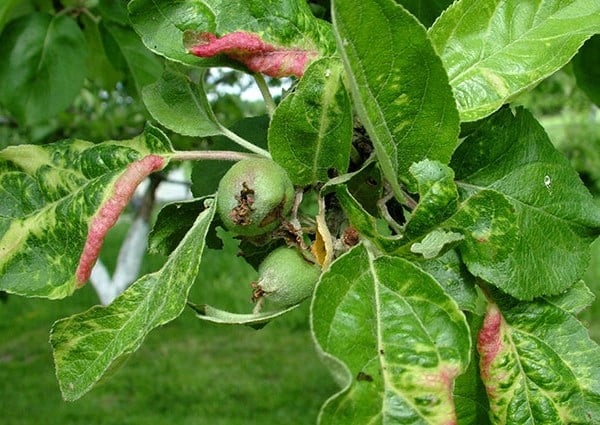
(266, 94)
(243, 142)
(210, 155)
(382, 204)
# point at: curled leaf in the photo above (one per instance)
(252, 51)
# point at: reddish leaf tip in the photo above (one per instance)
(489, 341)
(253, 52)
(110, 211)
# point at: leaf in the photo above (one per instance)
(469, 394)
(494, 49)
(311, 130)
(392, 337)
(555, 215)
(59, 200)
(128, 54)
(538, 363)
(426, 11)
(114, 10)
(254, 320)
(488, 221)
(409, 115)
(38, 52)
(438, 197)
(180, 104)
(452, 275)
(577, 298)
(5, 9)
(435, 242)
(172, 224)
(281, 23)
(586, 65)
(98, 67)
(86, 344)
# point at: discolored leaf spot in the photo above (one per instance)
(252, 51)
(489, 341)
(111, 210)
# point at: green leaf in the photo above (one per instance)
(254, 320)
(538, 363)
(87, 344)
(5, 9)
(311, 130)
(164, 36)
(285, 23)
(180, 104)
(495, 49)
(575, 300)
(98, 67)
(426, 11)
(435, 242)
(450, 272)
(488, 221)
(61, 198)
(586, 65)
(409, 115)
(114, 10)
(469, 394)
(172, 224)
(555, 215)
(438, 197)
(39, 51)
(392, 338)
(128, 54)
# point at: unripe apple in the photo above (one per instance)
(286, 277)
(253, 196)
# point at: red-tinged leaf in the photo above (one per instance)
(58, 202)
(252, 51)
(288, 26)
(392, 338)
(111, 209)
(538, 365)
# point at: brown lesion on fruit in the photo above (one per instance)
(241, 215)
(257, 291)
(351, 237)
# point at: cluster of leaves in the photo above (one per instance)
(456, 301)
